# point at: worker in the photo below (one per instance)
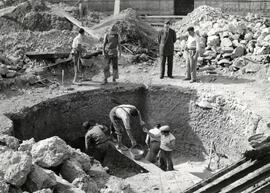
(82, 4)
(166, 40)
(111, 52)
(167, 145)
(77, 51)
(96, 140)
(153, 141)
(192, 52)
(120, 117)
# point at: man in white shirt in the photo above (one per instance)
(77, 50)
(153, 141)
(167, 145)
(192, 53)
(120, 116)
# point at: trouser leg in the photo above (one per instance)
(153, 151)
(169, 161)
(162, 160)
(193, 68)
(162, 65)
(106, 69)
(132, 139)
(188, 75)
(170, 65)
(115, 67)
(75, 61)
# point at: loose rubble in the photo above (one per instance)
(32, 167)
(227, 40)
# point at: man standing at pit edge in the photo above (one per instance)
(77, 50)
(192, 53)
(111, 52)
(166, 40)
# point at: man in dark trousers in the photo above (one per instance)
(96, 140)
(166, 40)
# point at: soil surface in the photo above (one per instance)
(252, 93)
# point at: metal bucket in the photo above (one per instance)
(137, 152)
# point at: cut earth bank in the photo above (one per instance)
(197, 118)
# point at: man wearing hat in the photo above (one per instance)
(166, 40)
(167, 145)
(111, 51)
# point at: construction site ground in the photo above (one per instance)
(248, 90)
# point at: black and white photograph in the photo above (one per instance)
(134, 96)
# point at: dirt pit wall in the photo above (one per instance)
(228, 124)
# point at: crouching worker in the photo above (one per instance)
(96, 140)
(153, 141)
(167, 145)
(120, 117)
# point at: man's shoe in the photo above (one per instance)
(161, 77)
(191, 81)
(187, 79)
(170, 76)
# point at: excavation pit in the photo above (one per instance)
(227, 124)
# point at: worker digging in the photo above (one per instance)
(116, 96)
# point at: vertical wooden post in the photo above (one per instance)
(116, 7)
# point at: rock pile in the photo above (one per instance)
(226, 38)
(30, 167)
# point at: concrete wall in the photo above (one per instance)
(241, 7)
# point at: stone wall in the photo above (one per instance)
(241, 7)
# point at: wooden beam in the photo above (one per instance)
(60, 12)
(7, 10)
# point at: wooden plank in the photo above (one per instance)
(214, 177)
(60, 12)
(7, 10)
(246, 179)
(152, 168)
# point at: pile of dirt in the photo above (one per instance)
(18, 44)
(131, 28)
(32, 15)
(227, 40)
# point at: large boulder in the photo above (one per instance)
(87, 184)
(226, 42)
(27, 145)
(71, 169)
(9, 141)
(81, 158)
(39, 179)
(50, 152)
(213, 41)
(238, 52)
(14, 166)
(4, 187)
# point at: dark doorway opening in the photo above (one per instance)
(183, 7)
